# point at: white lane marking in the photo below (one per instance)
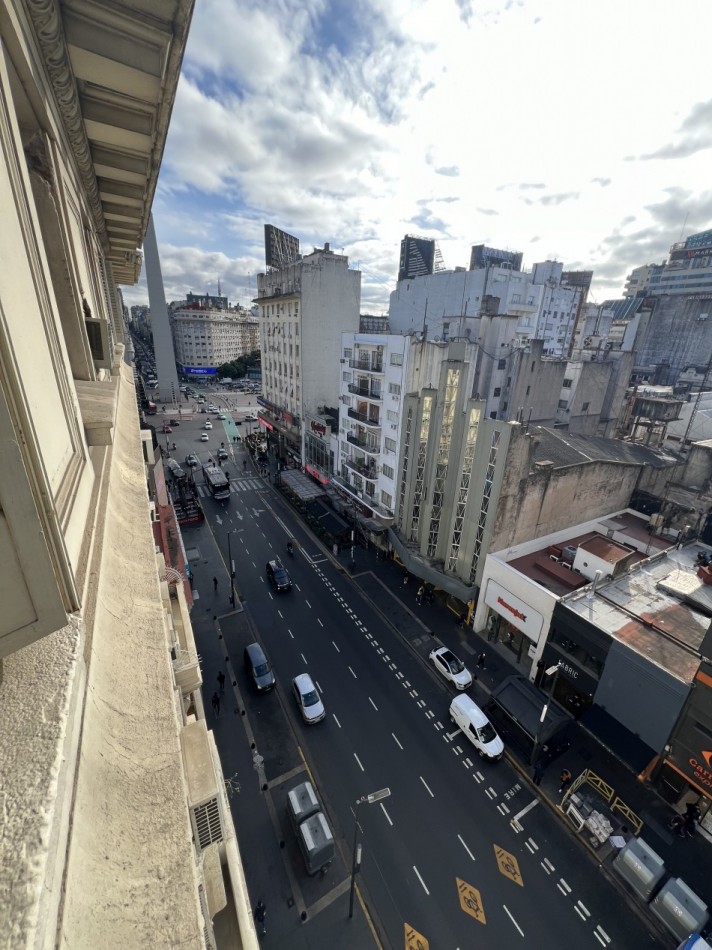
(336, 720)
(388, 817)
(359, 762)
(318, 687)
(335, 647)
(531, 846)
(426, 785)
(563, 887)
(548, 866)
(421, 880)
(304, 658)
(502, 809)
(601, 935)
(520, 814)
(466, 848)
(451, 735)
(490, 793)
(513, 920)
(298, 588)
(307, 603)
(373, 704)
(280, 613)
(397, 742)
(583, 911)
(353, 674)
(319, 622)
(290, 633)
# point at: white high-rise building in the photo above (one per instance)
(305, 305)
(452, 304)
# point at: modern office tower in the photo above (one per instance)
(688, 270)
(418, 256)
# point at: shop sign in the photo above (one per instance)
(315, 473)
(514, 610)
(697, 767)
(318, 428)
(267, 425)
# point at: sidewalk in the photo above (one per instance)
(421, 626)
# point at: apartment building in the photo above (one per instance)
(205, 338)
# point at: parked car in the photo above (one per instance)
(466, 714)
(307, 697)
(278, 576)
(259, 668)
(451, 667)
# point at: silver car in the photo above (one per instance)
(307, 697)
(451, 667)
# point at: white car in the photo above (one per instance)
(208, 425)
(203, 436)
(222, 416)
(212, 408)
(451, 667)
(251, 417)
(307, 697)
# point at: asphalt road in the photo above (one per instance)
(441, 854)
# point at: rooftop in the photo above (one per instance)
(565, 448)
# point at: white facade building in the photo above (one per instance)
(305, 306)
(688, 270)
(452, 304)
(373, 371)
(208, 338)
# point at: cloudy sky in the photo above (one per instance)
(577, 131)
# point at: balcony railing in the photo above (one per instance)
(363, 442)
(368, 366)
(363, 418)
(368, 391)
(365, 471)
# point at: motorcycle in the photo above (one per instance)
(290, 549)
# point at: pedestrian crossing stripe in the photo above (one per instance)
(236, 486)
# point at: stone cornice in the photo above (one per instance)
(50, 38)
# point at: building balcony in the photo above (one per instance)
(369, 472)
(368, 392)
(364, 442)
(367, 366)
(364, 419)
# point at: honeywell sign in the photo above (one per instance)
(514, 610)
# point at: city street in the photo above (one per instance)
(440, 854)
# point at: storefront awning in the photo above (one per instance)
(301, 485)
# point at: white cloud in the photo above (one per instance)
(492, 121)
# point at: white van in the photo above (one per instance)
(479, 730)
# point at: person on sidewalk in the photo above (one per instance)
(221, 681)
(481, 660)
(419, 595)
(538, 773)
(216, 704)
(260, 913)
(405, 579)
(564, 781)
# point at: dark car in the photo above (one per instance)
(174, 422)
(278, 575)
(259, 668)
(192, 460)
(222, 454)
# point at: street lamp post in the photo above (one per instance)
(555, 670)
(232, 570)
(356, 855)
(352, 565)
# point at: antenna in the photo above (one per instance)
(684, 223)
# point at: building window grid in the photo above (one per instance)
(484, 507)
(404, 478)
(420, 467)
(464, 488)
(451, 387)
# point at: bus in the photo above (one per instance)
(217, 482)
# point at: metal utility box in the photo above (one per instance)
(682, 911)
(316, 842)
(640, 867)
(302, 803)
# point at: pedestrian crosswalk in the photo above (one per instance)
(237, 485)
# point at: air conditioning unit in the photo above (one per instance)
(342, 361)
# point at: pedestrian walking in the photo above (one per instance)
(260, 913)
(215, 584)
(221, 681)
(216, 704)
(405, 579)
(244, 464)
(419, 595)
(564, 780)
(335, 549)
(481, 660)
(538, 773)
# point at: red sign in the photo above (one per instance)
(513, 610)
(266, 424)
(318, 427)
(315, 473)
